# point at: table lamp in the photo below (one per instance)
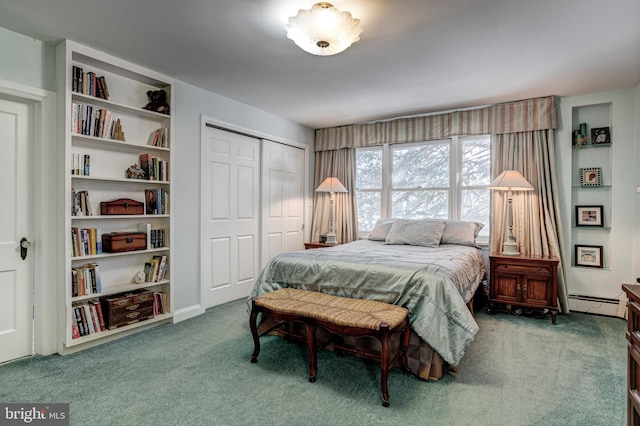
(331, 185)
(510, 180)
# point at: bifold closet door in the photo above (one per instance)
(230, 215)
(283, 172)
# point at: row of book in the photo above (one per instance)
(159, 137)
(155, 236)
(156, 201)
(89, 83)
(92, 121)
(154, 168)
(87, 317)
(155, 269)
(86, 280)
(86, 241)
(80, 203)
(80, 164)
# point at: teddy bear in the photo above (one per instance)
(157, 101)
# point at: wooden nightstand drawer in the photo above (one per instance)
(522, 269)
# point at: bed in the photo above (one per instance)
(434, 281)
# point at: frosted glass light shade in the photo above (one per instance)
(323, 30)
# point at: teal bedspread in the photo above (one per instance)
(434, 284)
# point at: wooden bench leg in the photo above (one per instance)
(254, 332)
(406, 334)
(311, 343)
(384, 363)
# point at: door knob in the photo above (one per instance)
(24, 245)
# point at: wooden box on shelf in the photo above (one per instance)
(124, 206)
(117, 242)
(127, 308)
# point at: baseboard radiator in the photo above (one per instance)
(598, 305)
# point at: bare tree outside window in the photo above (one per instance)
(435, 179)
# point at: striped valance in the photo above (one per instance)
(513, 117)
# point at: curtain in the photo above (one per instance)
(536, 214)
(521, 116)
(340, 163)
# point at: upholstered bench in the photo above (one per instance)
(341, 316)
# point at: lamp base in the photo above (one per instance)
(510, 248)
(332, 238)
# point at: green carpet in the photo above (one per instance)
(518, 371)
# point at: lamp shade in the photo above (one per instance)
(331, 184)
(323, 30)
(510, 180)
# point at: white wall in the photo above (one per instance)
(596, 282)
(27, 61)
(190, 103)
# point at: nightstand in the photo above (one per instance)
(524, 281)
(317, 244)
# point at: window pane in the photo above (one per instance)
(424, 166)
(368, 205)
(476, 160)
(475, 207)
(420, 204)
(369, 169)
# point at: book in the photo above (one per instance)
(79, 322)
(148, 271)
(98, 240)
(87, 318)
(75, 331)
(100, 316)
(151, 204)
(105, 87)
(161, 268)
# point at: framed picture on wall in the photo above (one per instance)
(590, 256)
(590, 176)
(589, 216)
(600, 136)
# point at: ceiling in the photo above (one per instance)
(413, 57)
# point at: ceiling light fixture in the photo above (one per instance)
(323, 30)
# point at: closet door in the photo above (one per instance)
(230, 215)
(283, 174)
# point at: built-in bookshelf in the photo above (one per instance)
(592, 144)
(106, 134)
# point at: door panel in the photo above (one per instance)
(283, 172)
(16, 218)
(230, 199)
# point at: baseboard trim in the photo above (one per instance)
(187, 313)
(598, 305)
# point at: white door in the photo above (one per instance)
(230, 215)
(16, 215)
(283, 174)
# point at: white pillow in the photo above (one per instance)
(461, 232)
(381, 229)
(427, 233)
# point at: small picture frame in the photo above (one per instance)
(600, 136)
(589, 216)
(590, 176)
(590, 256)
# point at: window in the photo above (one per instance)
(368, 186)
(437, 179)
